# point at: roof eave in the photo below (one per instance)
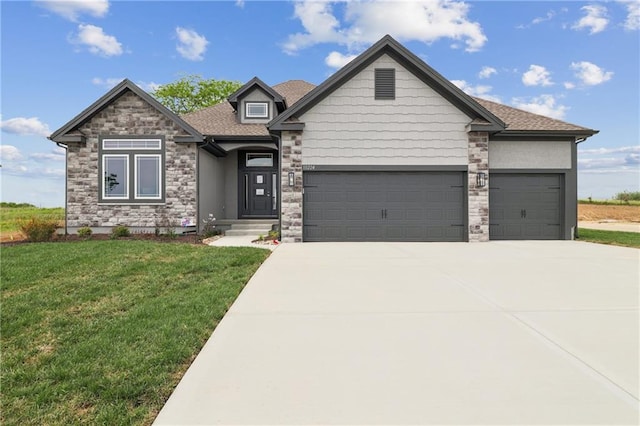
(550, 133)
(390, 46)
(64, 139)
(109, 97)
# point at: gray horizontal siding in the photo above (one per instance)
(418, 127)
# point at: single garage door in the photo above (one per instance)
(384, 206)
(525, 206)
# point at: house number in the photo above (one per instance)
(308, 167)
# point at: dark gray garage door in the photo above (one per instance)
(525, 206)
(384, 206)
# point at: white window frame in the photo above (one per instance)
(104, 169)
(248, 104)
(128, 144)
(135, 177)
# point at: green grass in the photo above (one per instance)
(100, 332)
(11, 214)
(611, 202)
(625, 239)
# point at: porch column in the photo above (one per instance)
(291, 203)
(478, 201)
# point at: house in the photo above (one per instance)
(386, 149)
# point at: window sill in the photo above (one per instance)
(128, 203)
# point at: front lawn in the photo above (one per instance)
(625, 239)
(100, 332)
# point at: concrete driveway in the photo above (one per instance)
(433, 333)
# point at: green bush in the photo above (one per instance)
(85, 232)
(36, 229)
(120, 231)
(628, 196)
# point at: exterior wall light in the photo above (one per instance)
(481, 179)
(292, 179)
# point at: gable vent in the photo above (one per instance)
(385, 82)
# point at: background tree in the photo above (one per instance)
(192, 92)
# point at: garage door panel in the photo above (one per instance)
(525, 206)
(384, 206)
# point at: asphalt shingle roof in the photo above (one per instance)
(517, 119)
(220, 119)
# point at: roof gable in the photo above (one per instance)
(249, 86)
(62, 135)
(388, 45)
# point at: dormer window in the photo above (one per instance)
(257, 110)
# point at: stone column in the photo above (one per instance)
(291, 203)
(478, 201)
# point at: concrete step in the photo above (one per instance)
(253, 225)
(255, 232)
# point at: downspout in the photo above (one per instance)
(66, 194)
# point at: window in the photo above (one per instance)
(260, 160)
(257, 110)
(385, 83)
(131, 170)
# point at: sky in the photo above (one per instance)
(575, 61)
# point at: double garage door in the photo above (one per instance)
(426, 206)
(384, 206)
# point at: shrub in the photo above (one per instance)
(85, 232)
(274, 235)
(209, 227)
(37, 229)
(628, 196)
(170, 232)
(120, 231)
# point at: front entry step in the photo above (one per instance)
(249, 229)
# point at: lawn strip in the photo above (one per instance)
(617, 238)
(101, 331)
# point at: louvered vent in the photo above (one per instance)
(385, 83)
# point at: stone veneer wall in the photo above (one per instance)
(478, 201)
(125, 116)
(291, 203)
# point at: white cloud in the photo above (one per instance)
(595, 19)
(569, 85)
(537, 76)
(191, 45)
(72, 9)
(543, 105)
(480, 91)
(9, 153)
(618, 150)
(98, 42)
(367, 21)
(57, 154)
(25, 126)
(240, 3)
(338, 60)
(632, 22)
(590, 74)
(487, 72)
(109, 83)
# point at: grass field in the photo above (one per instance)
(11, 214)
(100, 332)
(625, 239)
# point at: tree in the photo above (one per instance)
(192, 92)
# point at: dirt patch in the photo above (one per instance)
(596, 212)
